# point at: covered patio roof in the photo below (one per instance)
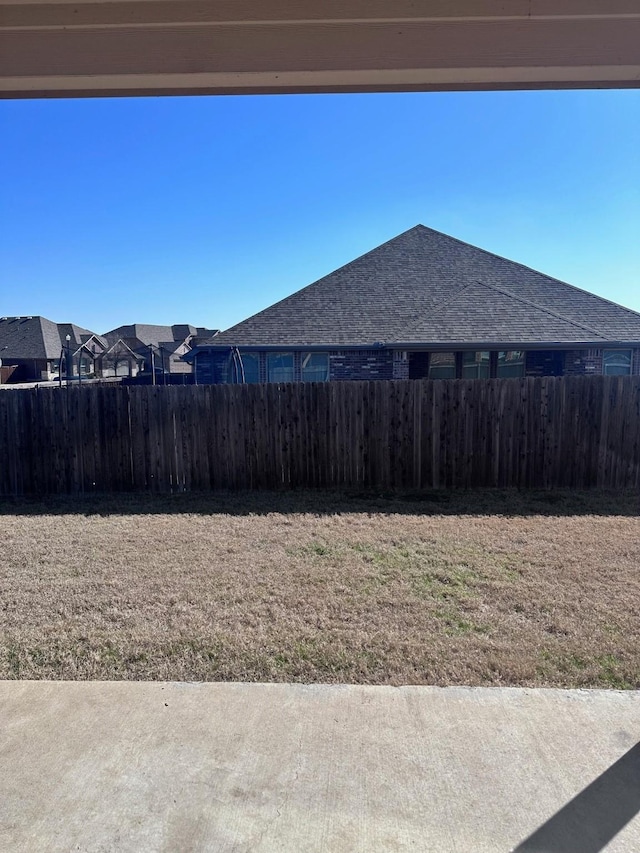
(57, 48)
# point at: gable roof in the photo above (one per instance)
(120, 348)
(424, 287)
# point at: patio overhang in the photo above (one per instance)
(57, 48)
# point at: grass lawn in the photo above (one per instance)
(491, 588)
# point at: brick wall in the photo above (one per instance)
(583, 362)
(361, 364)
(400, 365)
(388, 364)
(590, 362)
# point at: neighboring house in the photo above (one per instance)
(158, 348)
(119, 360)
(83, 351)
(426, 305)
(31, 348)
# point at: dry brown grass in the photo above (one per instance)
(472, 588)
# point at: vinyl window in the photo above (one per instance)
(314, 367)
(476, 365)
(442, 365)
(510, 363)
(616, 362)
(280, 367)
(250, 366)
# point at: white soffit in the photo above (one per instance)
(54, 48)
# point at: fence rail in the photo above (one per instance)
(532, 432)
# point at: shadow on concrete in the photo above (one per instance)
(503, 502)
(589, 822)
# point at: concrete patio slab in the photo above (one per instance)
(130, 766)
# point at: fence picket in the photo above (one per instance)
(534, 432)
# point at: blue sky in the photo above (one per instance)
(205, 210)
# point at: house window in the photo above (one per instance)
(243, 367)
(476, 365)
(442, 365)
(510, 363)
(616, 362)
(280, 367)
(314, 367)
(251, 366)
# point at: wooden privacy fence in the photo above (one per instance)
(533, 432)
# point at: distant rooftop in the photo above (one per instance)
(145, 334)
(37, 337)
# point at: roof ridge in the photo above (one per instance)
(531, 269)
(439, 306)
(549, 311)
(323, 277)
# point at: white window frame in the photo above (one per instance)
(628, 352)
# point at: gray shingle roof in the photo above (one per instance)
(143, 332)
(171, 346)
(425, 287)
(146, 334)
(121, 348)
(28, 337)
(39, 338)
(78, 335)
(182, 331)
